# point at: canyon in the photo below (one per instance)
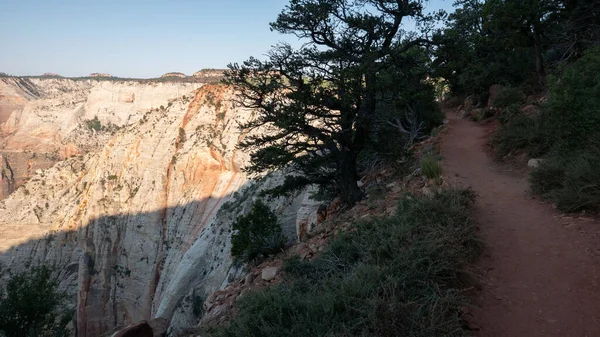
(128, 189)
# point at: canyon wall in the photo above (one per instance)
(136, 213)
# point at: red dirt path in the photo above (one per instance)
(541, 271)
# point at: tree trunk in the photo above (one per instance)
(346, 167)
(539, 58)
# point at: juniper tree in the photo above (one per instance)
(316, 106)
(31, 305)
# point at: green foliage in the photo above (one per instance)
(323, 103)
(398, 276)
(507, 97)
(573, 183)
(581, 187)
(513, 42)
(569, 177)
(574, 102)
(256, 233)
(198, 304)
(30, 305)
(521, 133)
(94, 124)
(473, 56)
(549, 176)
(430, 167)
(112, 177)
(513, 111)
(481, 114)
(182, 136)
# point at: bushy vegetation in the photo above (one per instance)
(571, 181)
(430, 167)
(573, 109)
(397, 276)
(256, 234)
(565, 133)
(521, 132)
(507, 97)
(513, 42)
(31, 305)
(95, 125)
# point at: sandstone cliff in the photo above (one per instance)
(43, 120)
(138, 224)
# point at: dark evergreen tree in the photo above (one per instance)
(30, 305)
(317, 106)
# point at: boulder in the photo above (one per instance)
(531, 110)
(269, 273)
(534, 163)
(141, 329)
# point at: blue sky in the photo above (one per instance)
(136, 38)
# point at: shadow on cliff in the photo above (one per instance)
(124, 268)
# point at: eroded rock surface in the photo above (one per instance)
(138, 222)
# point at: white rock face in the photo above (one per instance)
(139, 226)
(56, 108)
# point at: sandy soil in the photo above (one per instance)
(541, 269)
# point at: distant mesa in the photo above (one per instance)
(174, 74)
(51, 75)
(100, 75)
(209, 73)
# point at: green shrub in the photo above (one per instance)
(507, 97)
(570, 176)
(574, 102)
(549, 176)
(94, 124)
(30, 305)
(256, 233)
(430, 167)
(572, 182)
(521, 133)
(397, 276)
(478, 115)
(509, 113)
(182, 136)
(581, 187)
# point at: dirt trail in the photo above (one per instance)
(540, 271)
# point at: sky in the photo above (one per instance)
(137, 38)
